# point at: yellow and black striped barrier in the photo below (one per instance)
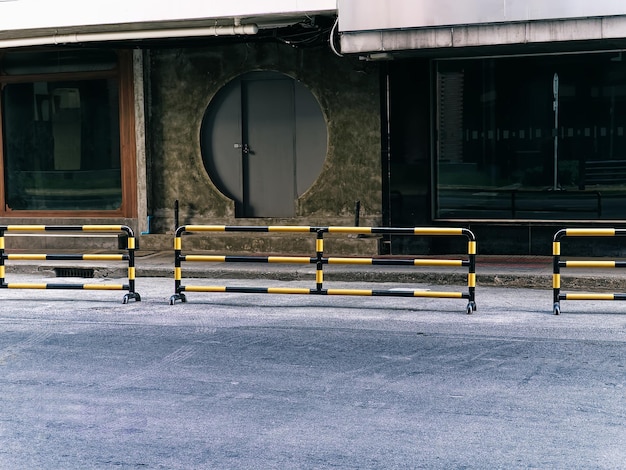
(558, 264)
(319, 260)
(129, 256)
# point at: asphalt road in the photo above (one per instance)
(286, 381)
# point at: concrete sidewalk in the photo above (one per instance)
(494, 270)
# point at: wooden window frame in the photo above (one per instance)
(128, 158)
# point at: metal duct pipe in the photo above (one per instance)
(73, 38)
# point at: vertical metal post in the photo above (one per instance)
(471, 276)
(357, 213)
(555, 91)
(319, 252)
(131, 266)
(2, 283)
(176, 215)
(556, 272)
(178, 295)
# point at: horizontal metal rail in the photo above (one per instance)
(320, 261)
(129, 256)
(600, 264)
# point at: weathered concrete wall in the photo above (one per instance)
(182, 83)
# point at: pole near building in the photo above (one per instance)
(555, 105)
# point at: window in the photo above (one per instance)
(64, 117)
(531, 138)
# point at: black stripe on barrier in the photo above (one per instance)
(320, 261)
(129, 256)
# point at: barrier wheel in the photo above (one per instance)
(556, 310)
(469, 309)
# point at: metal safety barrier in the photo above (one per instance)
(129, 256)
(558, 264)
(319, 260)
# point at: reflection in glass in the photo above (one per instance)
(61, 145)
(498, 146)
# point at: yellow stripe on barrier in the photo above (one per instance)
(1, 243)
(289, 259)
(178, 274)
(439, 295)
(590, 264)
(102, 228)
(2, 271)
(365, 292)
(131, 273)
(205, 228)
(289, 228)
(556, 248)
(26, 228)
(17, 285)
(363, 230)
(471, 247)
(205, 288)
(350, 260)
(471, 279)
(131, 243)
(583, 232)
(319, 276)
(103, 287)
(26, 256)
(437, 231)
(178, 244)
(556, 281)
(103, 257)
(207, 258)
(590, 296)
(319, 244)
(287, 290)
(437, 262)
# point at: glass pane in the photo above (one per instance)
(532, 138)
(61, 145)
(29, 63)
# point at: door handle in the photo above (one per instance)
(245, 148)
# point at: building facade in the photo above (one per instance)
(235, 114)
(505, 117)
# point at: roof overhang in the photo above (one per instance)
(70, 21)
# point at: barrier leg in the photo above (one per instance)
(471, 276)
(556, 274)
(178, 295)
(131, 269)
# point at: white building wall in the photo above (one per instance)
(381, 27)
(36, 14)
(358, 15)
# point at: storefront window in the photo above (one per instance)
(62, 145)
(61, 130)
(531, 138)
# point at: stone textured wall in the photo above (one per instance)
(182, 83)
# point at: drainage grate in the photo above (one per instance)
(74, 272)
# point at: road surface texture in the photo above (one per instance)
(254, 381)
